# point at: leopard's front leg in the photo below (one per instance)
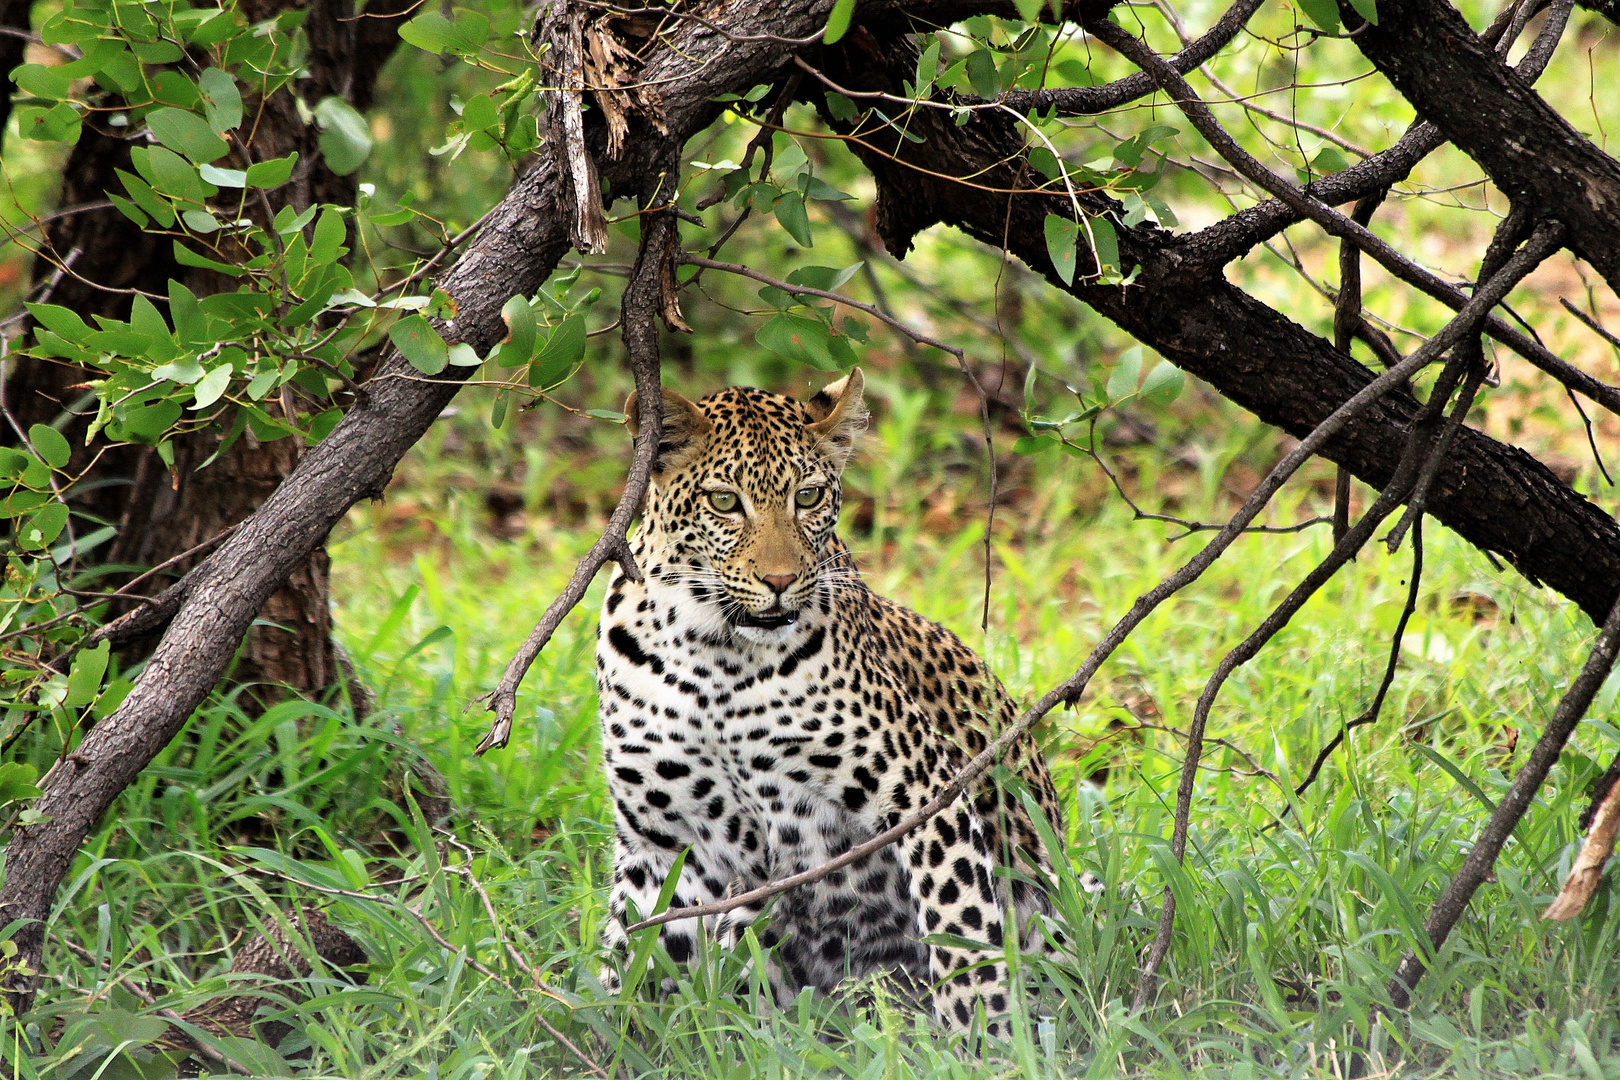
(640, 869)
(956, 891)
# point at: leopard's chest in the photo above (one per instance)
(747, 752)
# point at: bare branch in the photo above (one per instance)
(640, 307)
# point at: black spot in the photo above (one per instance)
(949, 893)
(811, 646)
(679, 946)
(628, 647)
(628, 775)
(660, 799)
(672, 770)
(854, 798)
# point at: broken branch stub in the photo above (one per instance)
(560, 31)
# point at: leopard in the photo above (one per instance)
(762, 711)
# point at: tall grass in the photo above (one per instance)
(1291, 912)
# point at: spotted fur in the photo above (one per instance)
(764, 710)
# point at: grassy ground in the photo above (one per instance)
(1289, 922)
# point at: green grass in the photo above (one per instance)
(1289, 925)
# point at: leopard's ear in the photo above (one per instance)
(685, 429)
(840, 414)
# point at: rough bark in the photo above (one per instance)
(1455, 81)
(277, 961)
(1498, 497)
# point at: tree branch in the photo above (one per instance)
(638, 309)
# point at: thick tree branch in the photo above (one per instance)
(1497, 497)
(1456, 82)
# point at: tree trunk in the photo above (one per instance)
(162, 513)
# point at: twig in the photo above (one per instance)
(1477, 867)
(803, 290)
(1370, 715)
(1542, 244)
(639, 307)
(1138, 514)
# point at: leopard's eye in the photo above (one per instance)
(723, 501)
(806, 497)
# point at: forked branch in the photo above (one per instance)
(641, 305)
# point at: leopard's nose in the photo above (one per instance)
(779, 583)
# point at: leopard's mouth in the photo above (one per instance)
(772, 618)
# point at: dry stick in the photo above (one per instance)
(637, 311)
(1591, 323)
(1070, 689)
(1508, 234)
(1451, 905)
(1542, 244)
(1346, 319)
(1371, 714)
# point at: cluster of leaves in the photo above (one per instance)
(1074, 433)
(274, 357)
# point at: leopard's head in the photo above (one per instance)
(744, 498)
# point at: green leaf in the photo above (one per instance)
(838, 21)
(184, 371)
(188, 133)
(825, 278)
(212, 387)
(60, 123)
(42, 527)
(272, 173)
(1367, 9)
(321, 426)
(17, 782)
(85, 679)
(518, 348)
(1324, 13)
(1329, 161)
(200, 222)
(1163, 384)
(479, 114)
(186, 257)
(419, 343)
(230, 178)
(790, 213)
(982, 73)
(326, 245)
(42, 81)
(1062, 243)
(345, 137)
(50, 445)
(841, 107)
(464, 355)
(431, 32)
(222, 101)
(1122, 381)
(190, 324)
(798, 338)
(1105, 243)
(59, 320)
(564, 348)
(927, 67)
(1035, 444)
